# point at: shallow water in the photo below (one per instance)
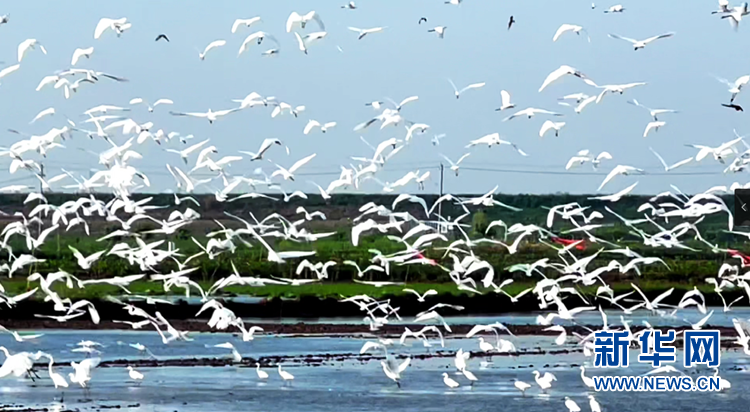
(115, 345)
(682, 318)
(342, 386)
(719, 318)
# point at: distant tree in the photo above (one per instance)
(479, 223)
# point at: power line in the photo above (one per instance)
(550, 172)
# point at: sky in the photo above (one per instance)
(403, 60)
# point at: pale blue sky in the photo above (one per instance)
(401, 61)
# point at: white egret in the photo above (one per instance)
(640, 44)
(286, 376)
(449, 382)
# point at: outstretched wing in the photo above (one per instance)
(661, 36)
(319, 21)
(293, 18)
(472, 86)
(453, 85)
(504, 97)
(561, 30)
(616, 36)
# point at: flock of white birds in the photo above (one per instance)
(120, 175)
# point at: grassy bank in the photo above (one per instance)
(685, 267)
(329, 290)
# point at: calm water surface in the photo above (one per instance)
(348, 385)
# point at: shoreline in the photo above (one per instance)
(314, 308)
(302, 329)
(319, 359)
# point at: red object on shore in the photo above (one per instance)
(427, 260)
(568, 242)
(737, 254)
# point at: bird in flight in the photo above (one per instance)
(471, 86)
(733, 106)
(640, 44)
(162, 36)
(422, 19)
(440, 30)
(511, 21)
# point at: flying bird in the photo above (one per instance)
(733, 106)
(117, 25)
(510, 22)
(27, 44)
(560, 72)
(304, 42)
(8, 70)
(735, 15)
(615, 9)
(258, 38)
(735, 87)
(723, 7)
(469, 87)
(210, 115)
(78, 53)
(422, 19)
(162, 36)
(288, 174)
(455, 166)
(619, 170)
(214, 44)
(653, 112)
(365, 32)
(550, 125)
(244, 22)
(530, 112)
(311, 124)
(667, 168)
(139, 100)
(640, 44)
(614, 88)
(505, 101)
(297, 19)
(264, 146)
(45, 112)
(653, 126)
(439, 30)
(569, 27)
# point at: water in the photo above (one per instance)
(683, 318)
(348, 385)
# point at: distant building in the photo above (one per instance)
(440, 227)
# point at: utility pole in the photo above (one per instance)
(440, 205)
(41, 191)
(442, 168)
(42, 175)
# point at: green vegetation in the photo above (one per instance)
(337, 290)
(685, 267)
